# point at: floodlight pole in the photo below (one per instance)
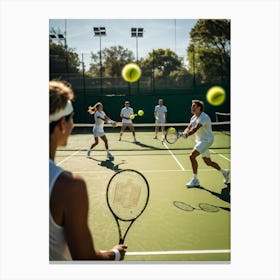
(62, 37)
(66, 49)
(100, 60)
(100, 31)
(137, 32)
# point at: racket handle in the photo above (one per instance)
(121, 241)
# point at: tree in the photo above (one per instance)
(209, 50)
(113, 60)
(62, 61)
(162, 62)
(166, 67)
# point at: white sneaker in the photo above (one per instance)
(88, 153)
(194, 182)
(227, 176)
(110, 156)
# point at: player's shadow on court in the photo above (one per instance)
(224, 195)
(147, 146)
(108, 164)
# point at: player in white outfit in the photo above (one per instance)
(160, 114)
(98, 129)
(125, 114)
(200, 125)
(70, 238)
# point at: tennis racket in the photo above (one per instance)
(114, 123)
(172, 135)
(127, 197)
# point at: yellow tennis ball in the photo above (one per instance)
(140, 113)
(216, 95)
(172, 130)
(131, 72)
(131, 117)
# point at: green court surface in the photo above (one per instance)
(164, 232)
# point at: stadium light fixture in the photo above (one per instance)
(137, 32)
(61, 37)
(100, 31)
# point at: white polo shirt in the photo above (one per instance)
(160, 113)
(204, 133)
(126, 112)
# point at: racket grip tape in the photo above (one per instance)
(117, 254)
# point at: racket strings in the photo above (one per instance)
(208, 207)
(171, 135)
(127, 195)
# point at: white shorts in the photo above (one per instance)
(203, 148)
(160, 121)
(127, 124)
(97, 132)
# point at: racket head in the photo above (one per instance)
(208, 207)
(183, 206)
(171, 135)
(114, 124)
(127, 194)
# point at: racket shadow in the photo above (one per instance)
(224, 195)
(201, 207)
(108, 164)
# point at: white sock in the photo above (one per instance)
(195, 176)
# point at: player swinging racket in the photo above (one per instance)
(200, 125)
(69, 235)
(98, 129)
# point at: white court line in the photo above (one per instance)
(220, 155)
(186, 252)
(150, 171)
(68, 157)
(178, 162)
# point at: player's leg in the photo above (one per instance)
(93, 145)
(163, 133)
(194, 181)
(209, 162)
(105, 140)
(131, 127)
(156, 132)
(123, 127)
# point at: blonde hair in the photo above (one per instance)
(94, 108)
(60, 93)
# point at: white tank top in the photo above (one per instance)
(58, 248)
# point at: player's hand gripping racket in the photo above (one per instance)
(172, 135)
(127, 197)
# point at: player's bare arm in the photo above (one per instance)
(75, 222)
(191, 130)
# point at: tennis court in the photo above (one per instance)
(173, 227)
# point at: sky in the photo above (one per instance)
(158, 33)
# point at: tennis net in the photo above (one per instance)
(82, 138)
